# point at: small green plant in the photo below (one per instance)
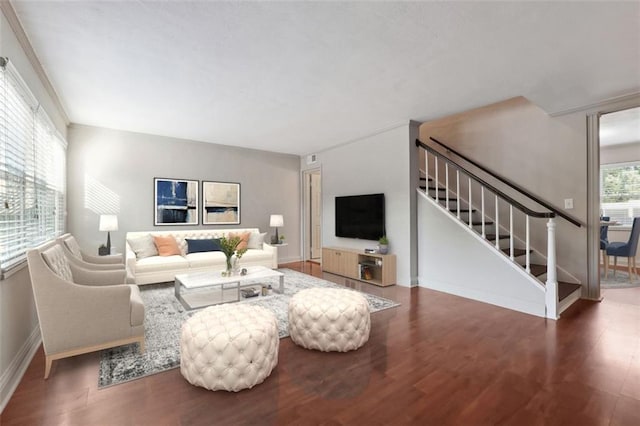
(383, 240)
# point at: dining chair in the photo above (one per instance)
(604, 238)
(625, 249)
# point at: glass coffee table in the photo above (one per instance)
(199, 289)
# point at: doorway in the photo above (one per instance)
(619, 140)
(312, 215)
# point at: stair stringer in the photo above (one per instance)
(454, 259)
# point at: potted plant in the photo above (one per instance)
(383, 245)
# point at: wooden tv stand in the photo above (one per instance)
(374, 268)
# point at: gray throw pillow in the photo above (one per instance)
(143, 246)
(255, 240)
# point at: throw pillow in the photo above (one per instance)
(244, 236)
(167, 246)
(200, 246)
(255, 240)
(143, 246)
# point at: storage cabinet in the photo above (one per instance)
(374, 268)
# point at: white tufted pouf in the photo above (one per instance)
(229, 347)
(329, 319)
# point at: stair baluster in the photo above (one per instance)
(458, 193)
(528, 246)
(497, 225)
(446, 184)
(511, 232)
(484, 234)
(437, 180)
(469, 204)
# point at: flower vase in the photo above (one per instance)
(236, 266)
(229, 269)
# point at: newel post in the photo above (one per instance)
(551, 294)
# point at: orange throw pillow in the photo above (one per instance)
(167, 246)
(244, 236)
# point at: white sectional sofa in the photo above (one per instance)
(158, 269)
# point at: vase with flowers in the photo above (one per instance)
(228, 247)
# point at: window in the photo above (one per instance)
(620, 192)
(32, 171)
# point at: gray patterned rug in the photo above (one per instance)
(621, 280)
(164, 316)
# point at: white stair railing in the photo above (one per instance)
(551, 285)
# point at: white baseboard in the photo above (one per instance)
(289, 260)
(10, 379)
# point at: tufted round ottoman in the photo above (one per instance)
(229, 347)
(329, 319)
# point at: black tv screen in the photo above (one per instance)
(360, 216)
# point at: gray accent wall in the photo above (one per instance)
(380, 163)
(112, 172)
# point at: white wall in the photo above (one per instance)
(380, 163)
(112, 171)
(453, 260)
(19, 331)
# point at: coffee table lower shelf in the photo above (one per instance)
(200, 289)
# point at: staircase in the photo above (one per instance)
(484, 205)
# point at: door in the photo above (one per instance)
(315, 217)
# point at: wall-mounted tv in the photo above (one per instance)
(360, 216)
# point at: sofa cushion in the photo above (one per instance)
(143, 246)
(244, 236)
(199, 246)
(207, 259)
(167, 246)
(256, 239)
(161, 263)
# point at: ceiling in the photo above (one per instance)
(299, 77)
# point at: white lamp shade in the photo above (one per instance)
(276, 220)
(108, 222)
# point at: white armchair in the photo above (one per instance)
(75, 256)
(70, 243)
(80, 310)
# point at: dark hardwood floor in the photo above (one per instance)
(435, 360)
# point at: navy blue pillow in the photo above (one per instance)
(199, 246)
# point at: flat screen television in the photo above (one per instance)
(360, 216)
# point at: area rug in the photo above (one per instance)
(164, 316)
(621, 280)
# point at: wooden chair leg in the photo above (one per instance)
(47, 366)
(629, 268)
(606, 264)
(615, 265)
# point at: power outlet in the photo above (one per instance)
(568, 203)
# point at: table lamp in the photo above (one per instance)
(276, 221)
(108, 222)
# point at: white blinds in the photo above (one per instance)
(32, 172)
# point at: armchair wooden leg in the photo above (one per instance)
(47, 366)
(629, 268)
(615, 265)
(141, 345)
(606, 264)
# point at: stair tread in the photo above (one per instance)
(455, 209)
(565, 289)
(516, 252)
(493, 236)
(537, 270)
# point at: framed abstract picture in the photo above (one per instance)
(175, 202)
(220, 203)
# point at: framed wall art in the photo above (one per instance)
(220, 203)
(175, 201)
